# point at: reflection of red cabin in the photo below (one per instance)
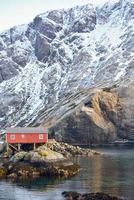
(26, 135)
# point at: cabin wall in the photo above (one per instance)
(26, 138)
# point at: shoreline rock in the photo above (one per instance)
(69, 150)
(89, 196)
(47, 160)
(25, 170)
(2, 172)
(52, 150)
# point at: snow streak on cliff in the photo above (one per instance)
(46, 65)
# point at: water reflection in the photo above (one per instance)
(106, 175)
(40, 183)
(96, 167)
(111, 173)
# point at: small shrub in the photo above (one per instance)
(43, 153)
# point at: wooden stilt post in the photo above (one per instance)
(34, 146)
(18, 147)
(7, 147)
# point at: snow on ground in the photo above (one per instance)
(81, 60)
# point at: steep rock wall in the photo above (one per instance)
(103, 119)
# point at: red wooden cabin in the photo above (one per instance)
(28, 135)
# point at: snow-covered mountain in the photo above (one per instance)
(50, 67)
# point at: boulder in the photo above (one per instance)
(19, 156)
(41, 154)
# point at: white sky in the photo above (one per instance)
(15, 12)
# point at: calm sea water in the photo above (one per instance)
(112, 172)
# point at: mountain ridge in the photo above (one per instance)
(52, 65)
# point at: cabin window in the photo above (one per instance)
(41, 136)
(12, 137)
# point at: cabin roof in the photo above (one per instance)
(18, 130)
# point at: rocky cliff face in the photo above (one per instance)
(96, 121)
(54, 71)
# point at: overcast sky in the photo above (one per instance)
(15, 12)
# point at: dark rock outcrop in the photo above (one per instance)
(126, 94)
(8, 69)
(89, 196)
(82, 19)
(42, 48)
(24, 170)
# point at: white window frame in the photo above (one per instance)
(12, 136)
(41, 136)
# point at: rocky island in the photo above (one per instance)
(47, 160)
